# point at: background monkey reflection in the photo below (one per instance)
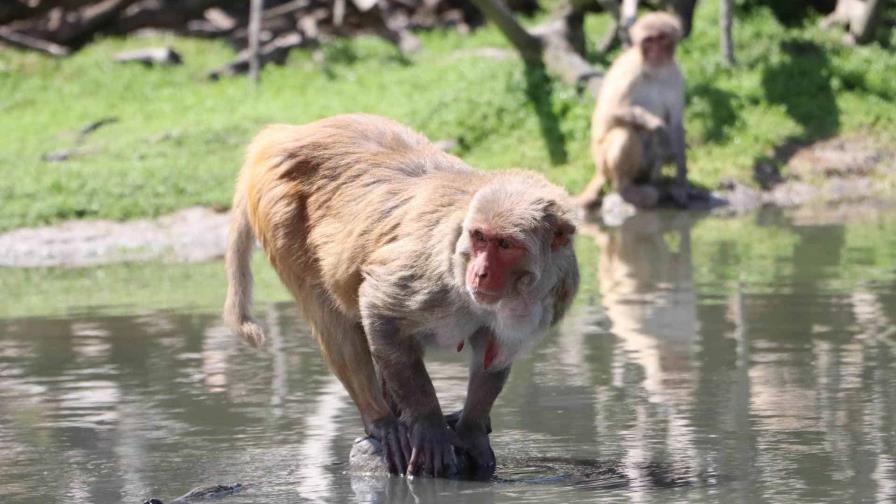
(637, 122)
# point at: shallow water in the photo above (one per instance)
(746, 359)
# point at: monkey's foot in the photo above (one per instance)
(393, 438)
(366, 457)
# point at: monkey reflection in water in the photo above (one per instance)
(645, 279)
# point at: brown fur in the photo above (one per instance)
(364, 221)
(637, 123)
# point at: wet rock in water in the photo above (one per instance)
(202, 493)
(366, 457)
(741, 198)
(614, 210)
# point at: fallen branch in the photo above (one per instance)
(557, 45)
(563, 40)
(274, 51)
(95, 125)
(33, 43)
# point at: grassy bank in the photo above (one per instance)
(178, 138)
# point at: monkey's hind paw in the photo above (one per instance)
(250, 331)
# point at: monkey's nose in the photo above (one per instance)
(482, 275)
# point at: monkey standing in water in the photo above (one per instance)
(389, 244)
(637, 123)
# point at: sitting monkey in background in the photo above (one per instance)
(388, 244)
(637, 123)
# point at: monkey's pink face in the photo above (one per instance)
(494, 262)
(658, 49)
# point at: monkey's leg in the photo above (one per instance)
(590, 197)
(625, 161)
(473, 423)
(654, 147)
(622, 155)
(399, 359)
(344, 347)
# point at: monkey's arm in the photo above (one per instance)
(399, 360)
(636, 116)
(677, 140)
(473, 422)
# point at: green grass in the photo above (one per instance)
(179, 139)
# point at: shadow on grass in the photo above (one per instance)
(802, 84)
(718, 113)
(540, 92)
(790, 13)
(343, 53)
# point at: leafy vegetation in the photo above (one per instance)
(179, 139)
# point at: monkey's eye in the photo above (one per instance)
(504, 243)
(478, 236)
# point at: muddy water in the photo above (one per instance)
(744, 359)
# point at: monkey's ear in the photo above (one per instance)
(563, 232)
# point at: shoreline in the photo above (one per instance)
(199, 234)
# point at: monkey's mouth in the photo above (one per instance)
(486, 297)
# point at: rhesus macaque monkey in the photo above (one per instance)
(389, 244)
(860, 17)
(637, 123)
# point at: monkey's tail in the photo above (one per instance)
(241, 240)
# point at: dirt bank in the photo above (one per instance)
(189, 235)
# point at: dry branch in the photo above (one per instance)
(274, 51)
(558, 45)
(33, 43)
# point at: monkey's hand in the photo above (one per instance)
(474, 440)
(654, 123)
(393, 437)
(452, 420)
(432, 447)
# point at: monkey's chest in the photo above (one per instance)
(650, 96)
(450, 331)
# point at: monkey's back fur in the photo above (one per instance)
(359, 179)
(354, 176)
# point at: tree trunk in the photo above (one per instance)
(255, 9)
(726, 18)
(685, 11)
(495, 11)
